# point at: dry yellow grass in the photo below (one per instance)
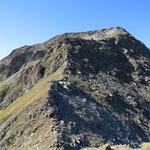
(145, 146)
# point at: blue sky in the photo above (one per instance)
(26, 22)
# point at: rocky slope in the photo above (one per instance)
(76, 90)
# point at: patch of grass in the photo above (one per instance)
(145, 146)
(38, 92)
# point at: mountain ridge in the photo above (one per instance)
(103, 82)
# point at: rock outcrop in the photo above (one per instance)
(76, 90)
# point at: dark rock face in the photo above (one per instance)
(101, 107)
(104, 94)
(18, 58)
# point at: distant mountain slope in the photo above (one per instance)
(76, 90)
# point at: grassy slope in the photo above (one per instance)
(37, 92)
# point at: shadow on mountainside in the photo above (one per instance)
(82, 117)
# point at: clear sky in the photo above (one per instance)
(25, 22)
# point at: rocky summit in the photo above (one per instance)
(74, 91)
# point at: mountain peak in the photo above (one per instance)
(114, 32)
(97, 35)
(76, 90)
